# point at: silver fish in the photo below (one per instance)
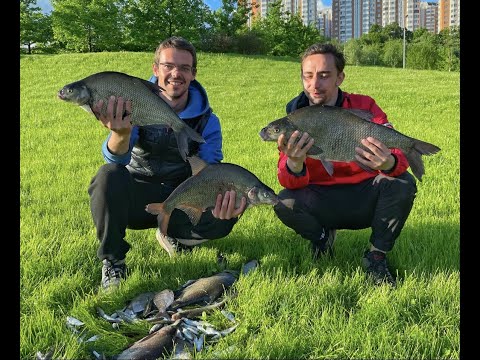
(337, 131)
(148, 108)
(199, 192)
(152, 346)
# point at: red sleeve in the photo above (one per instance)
(379, 117)
(288, 179)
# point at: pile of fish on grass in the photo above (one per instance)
(176, 330)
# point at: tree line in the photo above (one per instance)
(139, 25)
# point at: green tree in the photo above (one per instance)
(35, 27)
(228, 26)
(231, 17)
(393, 53)
(283, 33)
(88, 25)
(449, 41)
(423, 55)
(147, 22)
(372, 54)
(353, 51)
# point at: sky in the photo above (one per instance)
(213, 4)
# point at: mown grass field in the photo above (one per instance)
(292, 307)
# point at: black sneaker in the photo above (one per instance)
(113, 272)
(171, 245)
(325, 244)
(375, 265)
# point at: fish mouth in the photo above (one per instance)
(263, 134)
(60, 95)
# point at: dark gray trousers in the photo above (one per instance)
(382, 204)
(118, 200)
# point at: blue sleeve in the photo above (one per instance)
(211, 150)
(120, 159)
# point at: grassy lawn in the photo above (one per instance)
(291, 307)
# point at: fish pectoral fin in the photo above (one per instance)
(315, 150)
(194, 214)
(366, 168)
(328, 165)
(88, 109)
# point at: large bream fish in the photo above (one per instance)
(207, 289)
(337, 131)
(199, 192)
(148, 108)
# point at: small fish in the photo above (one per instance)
(199, 192)
(195, 312)
(337, 131)
(162, 301)
(148, 108)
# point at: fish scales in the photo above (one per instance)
(151, 347)
(204, 290)
(148, 108)
(199, 192)
(337, 131)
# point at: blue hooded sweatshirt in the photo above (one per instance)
(153, 152)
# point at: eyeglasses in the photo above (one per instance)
(167, 67)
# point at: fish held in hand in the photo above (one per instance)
(337, 131)
(199, 192)
(148, 107)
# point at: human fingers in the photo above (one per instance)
(281, 141)
(241, 209)
(218, 206)
(231, 204)
(97, 109)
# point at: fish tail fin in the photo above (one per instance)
(163, 220)
(163, 216)
(182, 137)
(414, 156)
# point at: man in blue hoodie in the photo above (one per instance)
(144, 166)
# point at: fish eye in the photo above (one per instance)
(276, 130)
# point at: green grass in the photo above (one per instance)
(290, 308)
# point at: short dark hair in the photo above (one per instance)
(177, 42)
(326, 48)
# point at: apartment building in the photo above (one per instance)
(347, 19)
(448, 13)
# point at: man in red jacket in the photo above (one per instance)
(352, 198)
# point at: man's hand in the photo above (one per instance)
(225, 206)
(379, 158)
(295, 150)
(117, 117)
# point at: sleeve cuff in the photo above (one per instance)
(301, 173)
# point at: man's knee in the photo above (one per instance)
(108, 177)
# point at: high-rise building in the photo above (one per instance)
(429, 16)
(448, 13)
(347, 19)
(324, 22)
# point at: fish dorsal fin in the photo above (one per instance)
(193, 214)
(153, 87)
(196, 163)
(364, 114)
